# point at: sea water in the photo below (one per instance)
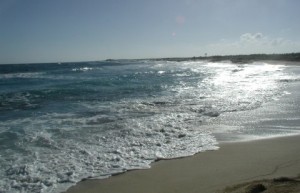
(61, 123)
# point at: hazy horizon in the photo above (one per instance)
(73, 30)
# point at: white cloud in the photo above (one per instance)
(249, 43)
(248, 37)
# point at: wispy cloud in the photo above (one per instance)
(248, 37)
(249, 43)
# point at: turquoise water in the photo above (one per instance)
(60, 123)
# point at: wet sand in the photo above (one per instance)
(208, 172)
(236, 167)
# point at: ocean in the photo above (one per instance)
(64, 122)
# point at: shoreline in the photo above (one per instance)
(207, 172)
(247, 162)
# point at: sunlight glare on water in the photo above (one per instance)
(61, 123)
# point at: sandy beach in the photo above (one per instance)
(208, 172)
(237, 167)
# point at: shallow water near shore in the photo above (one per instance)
(61, 123)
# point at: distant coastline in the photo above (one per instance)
(246, 58)
(293, 57)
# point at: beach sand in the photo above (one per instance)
(235, 166)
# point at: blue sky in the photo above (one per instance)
(85, 30)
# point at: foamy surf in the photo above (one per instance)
(66, 122)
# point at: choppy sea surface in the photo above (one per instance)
(61, 123)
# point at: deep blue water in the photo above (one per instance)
(60, 123)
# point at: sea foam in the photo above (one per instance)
(63, 123)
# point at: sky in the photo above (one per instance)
(88, 30)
